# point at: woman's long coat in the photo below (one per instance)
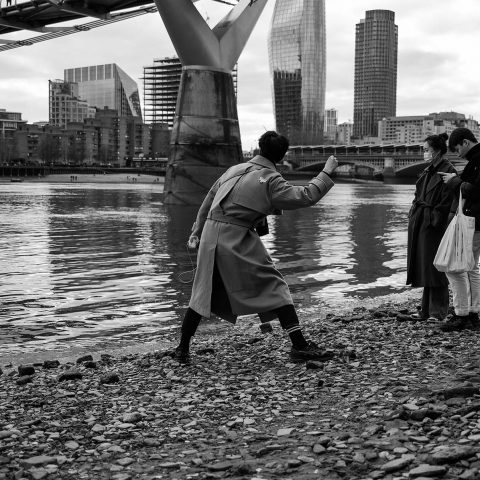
(428, 220)
(235, 274)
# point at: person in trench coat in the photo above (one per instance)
(428, 220)
(235, 274)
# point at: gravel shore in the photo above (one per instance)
(399, 400)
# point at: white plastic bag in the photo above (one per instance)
(455, 252)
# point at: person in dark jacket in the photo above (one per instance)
(466, 285)
(235, 274)
(428, 220)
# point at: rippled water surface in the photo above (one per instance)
(88, 263)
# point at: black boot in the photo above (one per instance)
(474, 321)
(456, 324)
(181, 356)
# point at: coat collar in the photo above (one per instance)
(439, 165)
(474, 153)
(263, 162)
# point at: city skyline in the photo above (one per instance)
(436, 70)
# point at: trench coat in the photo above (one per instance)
(428, 220)
(235, 274)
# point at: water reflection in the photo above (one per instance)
(85, 263)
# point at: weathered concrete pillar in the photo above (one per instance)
(389, 167)
(206, 137)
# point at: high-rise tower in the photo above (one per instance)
(375, 88)
(297, 54)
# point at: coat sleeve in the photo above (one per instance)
(441, 210)
(471, 191)
(290, 197)
(197, 227)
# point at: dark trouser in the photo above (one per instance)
(435, 302)
(286, 315)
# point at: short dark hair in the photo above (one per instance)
(273, 146)
(438, 142)
(458, 136)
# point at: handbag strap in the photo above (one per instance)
(460, 203)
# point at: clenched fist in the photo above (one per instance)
(330, 165)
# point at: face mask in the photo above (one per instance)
(427, 156)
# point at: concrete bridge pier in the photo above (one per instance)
(389, 167)
(205, 138)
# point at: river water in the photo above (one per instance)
(83, 264)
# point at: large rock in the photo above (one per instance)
(71, 374)
(110, 378)
(49, 364)
(460, 392)
(26, 370)
(85, 358)
(37, 461)
(426, 470)
(397, 464)
(452, 454)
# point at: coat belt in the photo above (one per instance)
(219, 217)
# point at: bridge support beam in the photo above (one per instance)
(206, 138)
(389, 167)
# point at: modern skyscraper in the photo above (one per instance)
(106, 86)
(330, 127)
(160, 89)
(375, 87)
(297, 55)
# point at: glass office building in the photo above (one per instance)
(297, 56)
(375, 85)
(106, 86)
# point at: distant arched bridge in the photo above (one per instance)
(402, 160)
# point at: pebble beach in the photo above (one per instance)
(398, 400)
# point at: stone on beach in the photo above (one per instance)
(26, 370)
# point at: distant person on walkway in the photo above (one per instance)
(235, 274)
(466, 286)
(428, 220)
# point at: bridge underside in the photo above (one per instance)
(35, 15)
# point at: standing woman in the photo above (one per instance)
(428, 220)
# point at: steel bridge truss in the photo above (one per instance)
(37, 15)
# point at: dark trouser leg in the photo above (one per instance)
(435, 302)
(191, 320)
(425, 302)
(289, 322)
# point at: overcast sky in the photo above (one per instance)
(438, 62)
